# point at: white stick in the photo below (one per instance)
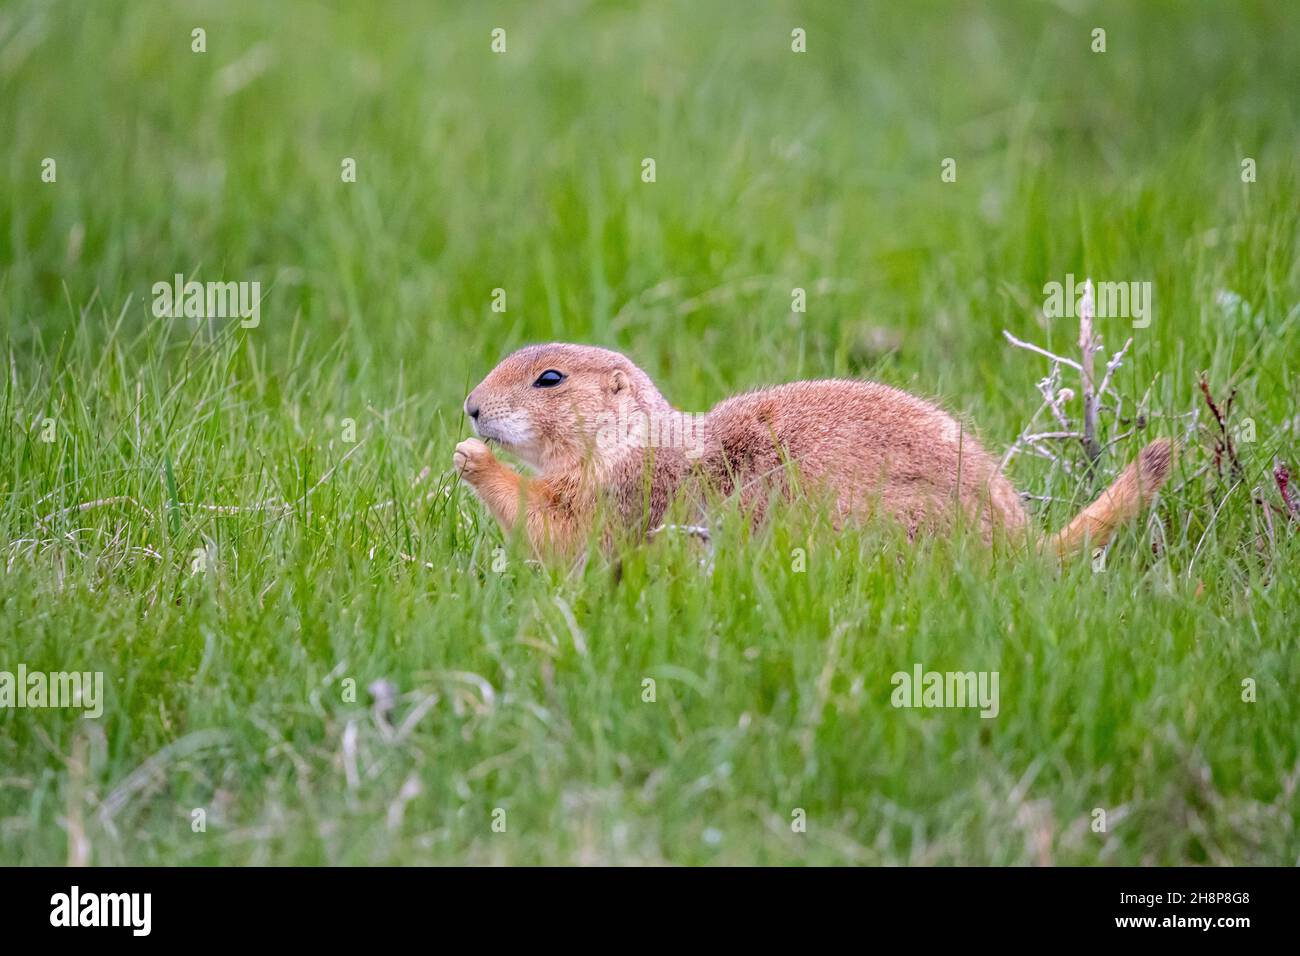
(1041, 351)
(1087, 346)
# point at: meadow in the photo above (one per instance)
(318, 649)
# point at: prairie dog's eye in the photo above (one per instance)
(549, 378)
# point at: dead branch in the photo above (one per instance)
(1088, 346)
(1223, 444)
(1114, 363)
(1020, 344)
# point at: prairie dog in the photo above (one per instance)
(601, 436)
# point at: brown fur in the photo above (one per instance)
(870, 449)
(1131, 492)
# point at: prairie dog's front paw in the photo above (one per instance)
(472, 458)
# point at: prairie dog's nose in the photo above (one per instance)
(471, 407)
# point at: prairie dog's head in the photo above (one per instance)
(554, 405)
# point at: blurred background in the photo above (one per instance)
(774, 170)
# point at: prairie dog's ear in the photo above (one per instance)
(618, 381)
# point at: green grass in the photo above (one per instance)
(1120, 690)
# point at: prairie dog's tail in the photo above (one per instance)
(1122, 501)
